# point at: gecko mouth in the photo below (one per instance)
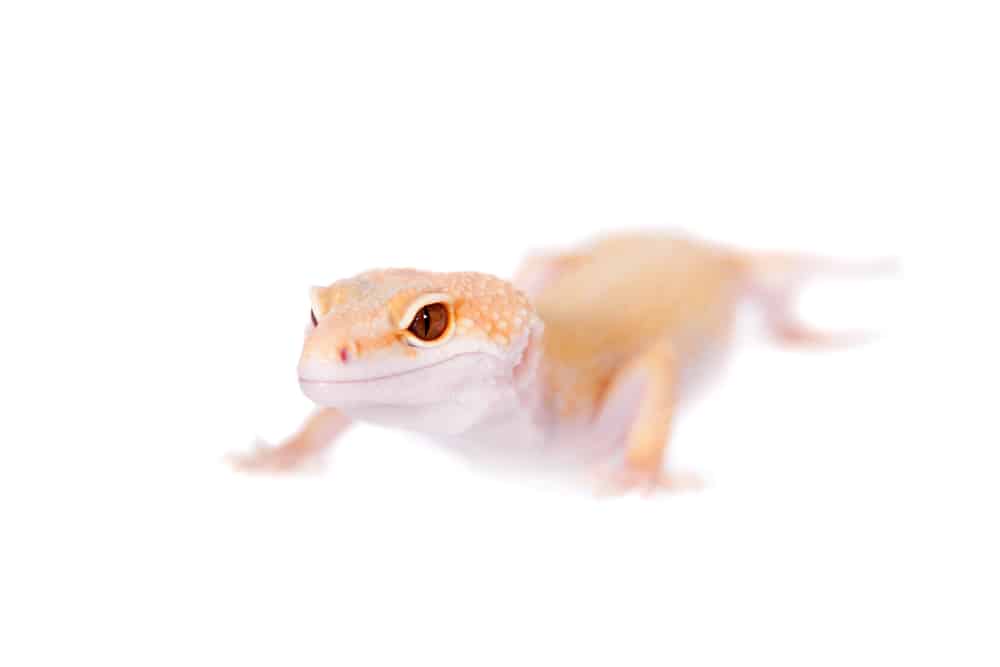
(434, 383)
(442, 397)
(390, 376)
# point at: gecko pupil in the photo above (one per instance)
(430, 322)
(312, 314)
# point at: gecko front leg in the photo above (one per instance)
(318, 432)
(642, 468)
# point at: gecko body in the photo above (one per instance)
(576, 364)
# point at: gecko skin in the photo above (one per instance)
(578, 364)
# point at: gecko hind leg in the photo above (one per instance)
(776, 279)
(646, 440)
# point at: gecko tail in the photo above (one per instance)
(793, 268)
(775, 279)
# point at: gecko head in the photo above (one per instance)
(433, 352)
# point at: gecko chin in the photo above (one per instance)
(446, 396)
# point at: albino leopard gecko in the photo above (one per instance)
(577, 362)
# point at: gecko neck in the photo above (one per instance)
(516, 415)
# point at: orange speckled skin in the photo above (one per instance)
(368, 309)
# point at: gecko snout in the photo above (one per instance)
(336, 352)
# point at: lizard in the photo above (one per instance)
(580, 361)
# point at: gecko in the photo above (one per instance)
(577, 364)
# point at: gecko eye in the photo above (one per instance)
(431, 322)
(312, 314)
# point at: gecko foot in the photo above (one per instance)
(624, 479)
(268, 458)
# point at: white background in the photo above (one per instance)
(174, 176)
